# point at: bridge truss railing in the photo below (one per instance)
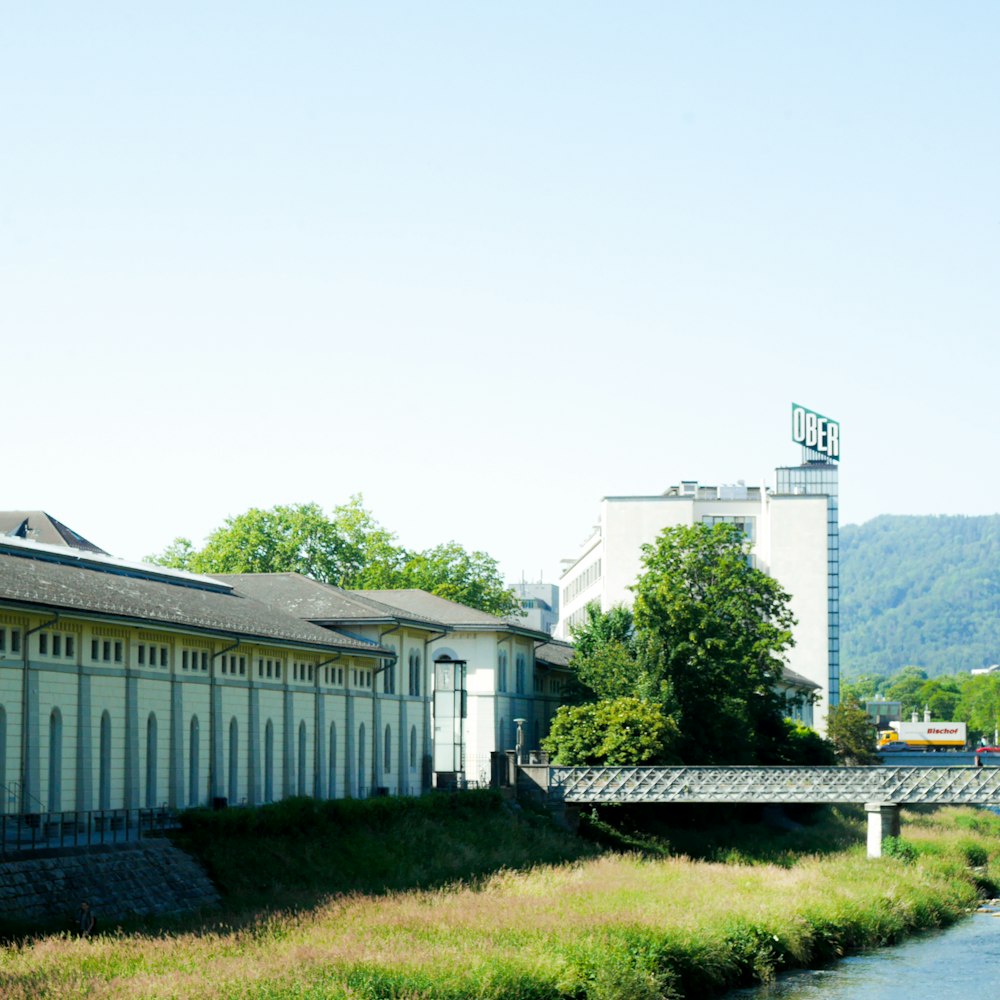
(902, 785)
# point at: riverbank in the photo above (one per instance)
(596, 924)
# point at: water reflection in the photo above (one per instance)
(959, 962)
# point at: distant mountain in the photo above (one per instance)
(919, 591)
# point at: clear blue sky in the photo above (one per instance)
(486, 263)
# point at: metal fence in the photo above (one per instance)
(27, 832)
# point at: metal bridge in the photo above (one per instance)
(899, 785)
(881, 789)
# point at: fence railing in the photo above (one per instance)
(26, 832)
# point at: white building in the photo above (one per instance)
(793, 530)
(129, 686)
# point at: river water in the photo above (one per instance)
(960, 963)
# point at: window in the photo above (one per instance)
(387, 756)
(414, 664)
(502, 670)
(580, 583)
(519, 678)
(43, 643)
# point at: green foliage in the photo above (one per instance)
(900, 849)
(470, 578)
(800, 746)
(604, 657)
(349, 548)
(621, 731)
(298, 850)
(711, 634)
(850, 730)
(919, 590)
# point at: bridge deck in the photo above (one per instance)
(965, 785)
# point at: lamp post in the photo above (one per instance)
(519, 743)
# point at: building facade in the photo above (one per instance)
(793, 532)
(131, 686)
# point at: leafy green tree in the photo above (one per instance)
(712, 632)
(799, 746)
(350, 549)
(906, 687)
(604, 657)
(470, 578)
(620, 731)
(851, 731)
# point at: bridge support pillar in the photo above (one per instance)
(883, 821)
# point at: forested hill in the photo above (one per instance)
(920, 591)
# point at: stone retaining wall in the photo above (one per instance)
(150, 878)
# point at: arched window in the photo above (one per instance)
(55, 761)
(151, 760)
(302, 758)
(234, 761)
(332, 776)
(104, 763)
(387, 753)
(389, 674)
(413, 748)
(269, 762)
(519, 680)
(194, 763)
(362, 782)
(502, 670)
(414, 661)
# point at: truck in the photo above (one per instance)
(924, 736)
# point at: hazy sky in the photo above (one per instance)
(485, 263)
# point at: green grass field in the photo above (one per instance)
(464, 897)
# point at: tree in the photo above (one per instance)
(851, 731)
(712, 632)
(905, 688)
(470, 578)
(604, 658)
(350, 549)
(620, 731)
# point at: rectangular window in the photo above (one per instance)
(142, 655)
(70, 646)
(95, 648)
(163, 656)
(15, 640)
(43, 644)
(106, 651)
(3, 640)
(118, 652)
(184, 660)
(57, 645)
(277, 669)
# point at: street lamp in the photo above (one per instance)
(519, 743)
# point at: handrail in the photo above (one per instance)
(26, 833)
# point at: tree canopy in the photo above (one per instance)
(712, 632)
(349, 548)
(706, 643)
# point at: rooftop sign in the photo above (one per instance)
(816, 432)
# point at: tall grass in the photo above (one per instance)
(615, 925)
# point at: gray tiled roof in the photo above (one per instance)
(450, 613)
(315, 601)
(555, 653)
(37, 526)
(43, 580)
(792, 679)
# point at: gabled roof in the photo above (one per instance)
(792, 679)
(554, 653)
(37, 526)
(451, 613)
(319, 602)
(45, 578)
